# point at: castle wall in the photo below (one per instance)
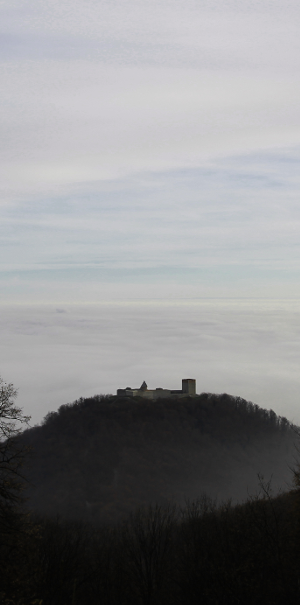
(188, 388)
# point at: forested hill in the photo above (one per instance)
(98, 458)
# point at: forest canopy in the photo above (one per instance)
(100, 457)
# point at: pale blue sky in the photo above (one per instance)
(149, 150)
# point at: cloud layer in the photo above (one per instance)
(55, 355)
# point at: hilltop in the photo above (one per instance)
(101, 457)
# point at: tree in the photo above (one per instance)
(11, 453)
(147, 546)
(17, 534)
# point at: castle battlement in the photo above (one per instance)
(188, 388)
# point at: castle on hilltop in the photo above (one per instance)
(188, 388)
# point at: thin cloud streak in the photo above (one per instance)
(230, 229)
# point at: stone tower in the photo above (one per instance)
(189, 386)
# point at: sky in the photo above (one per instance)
(149, 161)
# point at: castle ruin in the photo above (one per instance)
(188, 389)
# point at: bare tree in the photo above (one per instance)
(147, 545)
(16, 533)
(12, 453)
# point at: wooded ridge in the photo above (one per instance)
(100, 458)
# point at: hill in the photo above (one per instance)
(101, 457)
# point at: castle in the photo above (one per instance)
(188, 388)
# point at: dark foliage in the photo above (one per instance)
(100, 458)
(165, 555)
(115, 454)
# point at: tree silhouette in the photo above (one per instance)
(11, 452)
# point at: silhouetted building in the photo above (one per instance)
(188, 388)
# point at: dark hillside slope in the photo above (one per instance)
(98, 458)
